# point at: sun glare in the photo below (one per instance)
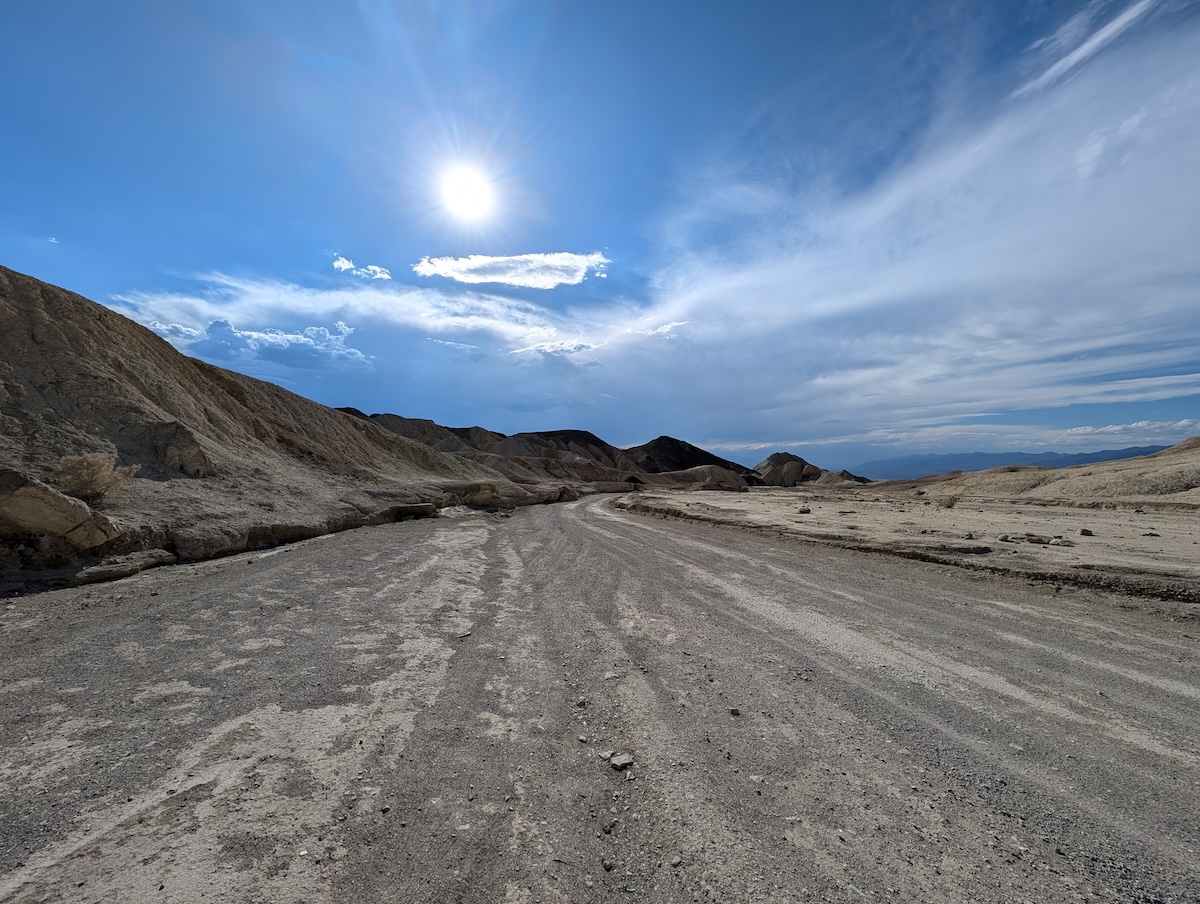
(467, 193)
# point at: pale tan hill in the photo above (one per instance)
(711, 477)
(224, 461)
(1167, 478)
(783, 469)
(1188, 445)
(1131, 525)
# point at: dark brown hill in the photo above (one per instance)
(577, 455)
(669, 454)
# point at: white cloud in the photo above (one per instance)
(1089, 48)
(981, 280)
(1027, 271)
(1169, 430)
(961, 437)
(267, 350)
(1107, 143)
(1071, 33)
(557, 347)
(463, 314)
(370, 271)
(529, 271)
(665, 330)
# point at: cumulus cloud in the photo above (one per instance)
(556, 347)
(529, 271)
(312, 348)
(370, 271)
(665, 330)
(457, 315)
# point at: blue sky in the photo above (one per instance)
(850, 231)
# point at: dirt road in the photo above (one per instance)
(417, 713)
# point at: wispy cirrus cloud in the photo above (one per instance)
(1026, 262)
(1029, 267)
(529, 271)
(261, 301)
(933, 438)
(370, 271)
(1088, 47)
(1169, 431)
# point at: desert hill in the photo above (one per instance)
(667, 454)
(912, 467)
(223, 461)
(534, 457)
(1128, 525)
(1170, 477)
(115, 447)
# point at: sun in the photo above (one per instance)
(467, 193)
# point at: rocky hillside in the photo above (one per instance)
(219, 461)
(783, 469)
(118, 452)
(1166, 479)
(531, 458)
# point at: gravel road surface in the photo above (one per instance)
(435, 711)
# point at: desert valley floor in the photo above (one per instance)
(581, 703)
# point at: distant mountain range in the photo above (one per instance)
(577, 455)
(910, 467)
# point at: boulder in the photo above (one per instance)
(123, 566)
(485, 496)
(28, 506)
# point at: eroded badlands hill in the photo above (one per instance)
(223, 460)
(215, 462)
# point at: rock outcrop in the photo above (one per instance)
(223, 462)
(783, 469)
(30, 508)
(176, 447)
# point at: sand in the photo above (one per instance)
(1149, 548)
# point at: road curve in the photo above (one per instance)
(418, 712)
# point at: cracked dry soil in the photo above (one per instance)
(417, 712)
